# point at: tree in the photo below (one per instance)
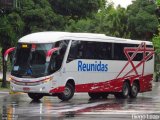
(156, 43)
(83, 25)
(11, 27)
(76, 8)
(142, 21)
(38, 16)
(108, 20)
(112, 22)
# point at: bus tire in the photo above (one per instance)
(94, 95)
(117, 95)
(68, 93)
(125, 91)
(134, 90)
(104, 95)
(35, 96)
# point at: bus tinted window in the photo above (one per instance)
(90, 50)
(120, 55)
(75, 51)
(149, 46)
(102, 51)
(119, 51)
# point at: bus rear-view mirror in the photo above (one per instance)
(50, 52)
(7, 52)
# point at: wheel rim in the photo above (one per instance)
(125, 90)
(134, 90)
(67, 92)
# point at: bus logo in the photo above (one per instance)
(97, 66)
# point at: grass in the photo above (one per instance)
(0, 60)
(7, 89)
(4, 89)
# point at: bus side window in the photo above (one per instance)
(75, 51)
(149, 46)
(103, 51)
(88, 50)
(107, 51)
(119, 51)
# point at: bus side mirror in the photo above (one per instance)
(50, 52)
(7, 52)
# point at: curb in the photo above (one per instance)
(15, 93)
(10, 92)
(4, 92)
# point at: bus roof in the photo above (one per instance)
(50, 37)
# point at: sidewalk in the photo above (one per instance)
(4, 92)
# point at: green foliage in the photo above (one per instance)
(76, 8)
(84, 25)
(11, 29)
(158, 2)
(6, 31)
(142, 21)
(7, 87)
(0, 60)
(138, 22)
(156, 42)
(39, 16)
(115, 22)
(156, 39)
(109, 21)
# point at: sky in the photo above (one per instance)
(123, 3)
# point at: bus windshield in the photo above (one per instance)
(30, 60)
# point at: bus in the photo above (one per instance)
(62, 63)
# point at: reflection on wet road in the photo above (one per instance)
(20, 107)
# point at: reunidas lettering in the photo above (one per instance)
(97, 66)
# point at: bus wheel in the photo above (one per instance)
(134, 90)
(125, 91)
(104, 95)
(35, 96)
(68, 93)
(94, 95)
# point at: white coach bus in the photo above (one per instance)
(62, 63)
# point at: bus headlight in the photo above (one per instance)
(47, 80)
(9, 79)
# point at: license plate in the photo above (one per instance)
(26, 89)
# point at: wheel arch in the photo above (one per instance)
(134, 81)
(71, 81)
(128, 81)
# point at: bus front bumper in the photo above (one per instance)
(41, 88)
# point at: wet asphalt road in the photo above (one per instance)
(20, 107)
